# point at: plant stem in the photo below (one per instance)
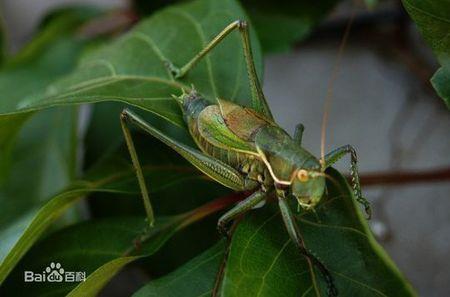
(395, 178)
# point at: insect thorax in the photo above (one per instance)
(282, 154)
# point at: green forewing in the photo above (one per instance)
(242, 121)
(213, 128)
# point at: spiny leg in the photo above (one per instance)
(239, 209)
(294, 233)
(137, 168)
(298, 134)
(335, 156)
(258, 98)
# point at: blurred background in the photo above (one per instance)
(382, 103)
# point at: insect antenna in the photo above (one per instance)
(331, 82)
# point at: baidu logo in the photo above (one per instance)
(54, 273)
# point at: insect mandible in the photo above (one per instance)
(245, 150)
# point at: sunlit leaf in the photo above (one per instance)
(264, 262)
(133, 69)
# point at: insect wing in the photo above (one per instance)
(213, 128)
(242, 121)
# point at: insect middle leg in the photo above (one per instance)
(335, 156)
(298, 134)
(239, 209)
(258, 99)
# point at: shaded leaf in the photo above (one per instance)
(195, 278)
(100, 248)
(40, 161)
(113, 175)
(433, 20)
(94, 247)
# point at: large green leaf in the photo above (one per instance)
(100, 248)
(133, 70)
(433, 20)
(264, 262)
(195, 278)
(279, 24)
(114, 175)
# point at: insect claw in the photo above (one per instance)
(223, 230)
(179, 99)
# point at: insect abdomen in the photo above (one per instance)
(228, 156)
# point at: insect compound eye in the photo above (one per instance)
(302, 175)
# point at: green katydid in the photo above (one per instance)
(244, 149)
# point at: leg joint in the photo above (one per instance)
(242, 25)
(124, 115)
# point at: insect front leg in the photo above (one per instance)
(258, 98)
(335, 156)
(137, 167)
(239, 209)
(294, 233)
(298, 134)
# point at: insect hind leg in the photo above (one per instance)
(124, 120)
(214, 168)
(258, 98)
